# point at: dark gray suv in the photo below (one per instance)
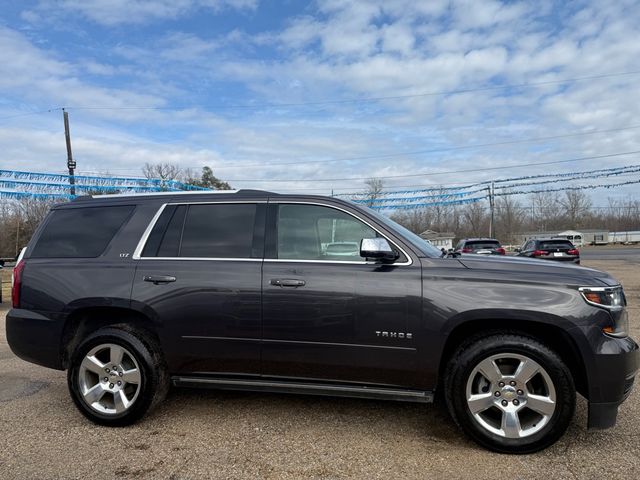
(253, 290)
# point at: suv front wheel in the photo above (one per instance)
(510, 393)
(114, 378)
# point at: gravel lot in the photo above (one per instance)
(206, 434)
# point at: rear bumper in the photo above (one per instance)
(562, 259)
(611, 377)
(35, 337)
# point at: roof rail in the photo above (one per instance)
(186, 192)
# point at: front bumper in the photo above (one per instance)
(611, 373)
(35, 337)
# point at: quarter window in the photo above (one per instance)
(80, 232)
(312, 232)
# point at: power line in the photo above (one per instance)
(416, 195)
(433, 150)
(410, 153)
(428, 186)
(371, 99)
(484, 169)
(31, 113)
(569, 187)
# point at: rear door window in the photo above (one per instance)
(80, 232)
(165, 237)
(219, 231)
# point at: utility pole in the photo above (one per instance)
(71, 164)
(491, 209)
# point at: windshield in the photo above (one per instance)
(419, 243)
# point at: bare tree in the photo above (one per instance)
(545, 213)
(373, 190)
(417, 220)
(576, 205)
(18, 220)
(165, 172)
(509, 217)
(475, 215)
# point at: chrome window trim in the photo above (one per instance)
(145, 236)
(344, 262)
(151, 194)
(204, 259)
(348, 262)
(223, 202)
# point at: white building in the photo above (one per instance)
(437, 239)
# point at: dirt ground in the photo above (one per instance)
(207, 434)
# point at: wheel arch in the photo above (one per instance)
(556, 337)
(85, 321)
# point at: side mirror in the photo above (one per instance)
(517, 250)
(377, 248)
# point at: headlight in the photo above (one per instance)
(613, 300)
(607, 297)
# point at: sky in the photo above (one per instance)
(318, 96)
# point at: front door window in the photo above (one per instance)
(312, 232)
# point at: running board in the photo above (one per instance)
(332, 390)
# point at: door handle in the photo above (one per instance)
(158, 279)
(287, 282)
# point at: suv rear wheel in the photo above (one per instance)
(114, 378)
(510, 393)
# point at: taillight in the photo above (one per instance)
(501, 251)
(467, 250)
(539, 253)
(16, 283)
(573, 251)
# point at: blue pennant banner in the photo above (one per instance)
(416, 198)
(41, 196)
(413, 206)
(92, 180)
(568, 187)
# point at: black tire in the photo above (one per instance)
(470, 354)
(153, 382)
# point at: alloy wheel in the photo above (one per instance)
(510, 395)
(109, 379)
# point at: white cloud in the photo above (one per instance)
(50, 82)
(340, 50)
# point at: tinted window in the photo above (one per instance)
(164, 240)
(482, 244)
(80, 232)
(555, 244)
(311, 232)
(218, 231)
